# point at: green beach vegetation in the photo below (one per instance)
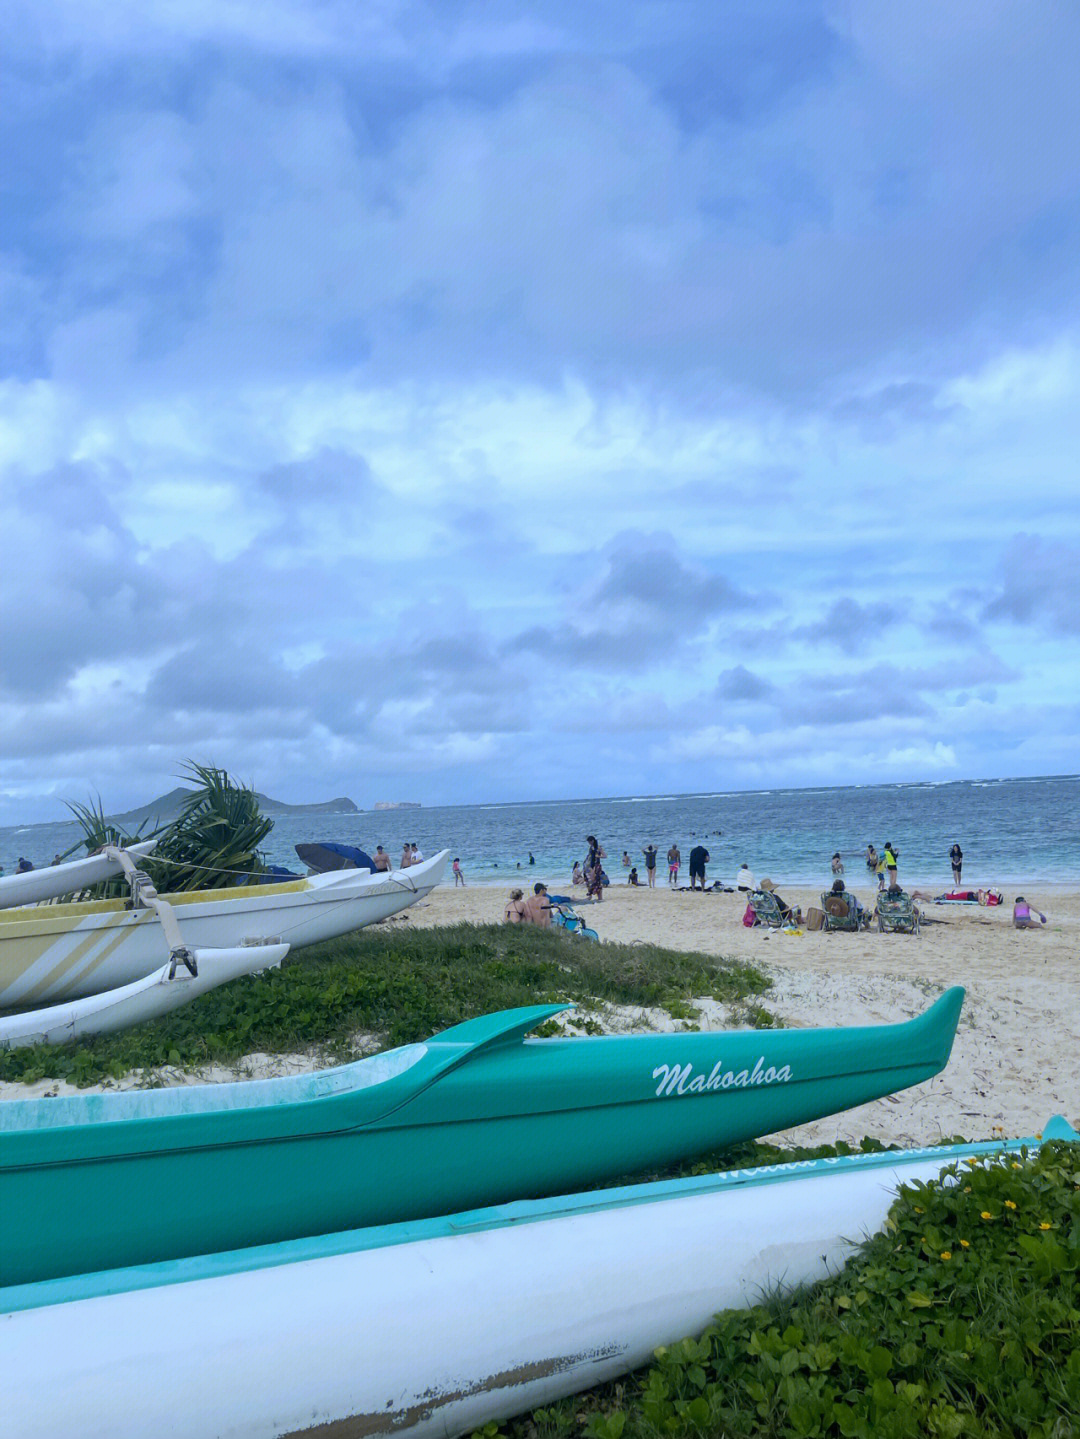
(961, 1319)
(397, 985)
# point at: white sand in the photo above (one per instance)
(1016, 1059)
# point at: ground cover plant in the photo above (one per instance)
(961, 1319)
(399, 984)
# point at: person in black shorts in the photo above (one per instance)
(650, 864)
(956, 859)
(699, 858)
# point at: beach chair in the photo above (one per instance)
(897, 913)
(563, 917)
(766, 908)
(841, 911)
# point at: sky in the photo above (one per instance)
(477, 401)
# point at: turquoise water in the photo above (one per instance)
(1011, 831)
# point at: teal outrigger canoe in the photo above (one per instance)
(476, 1115)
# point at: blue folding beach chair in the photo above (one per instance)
(563, 917)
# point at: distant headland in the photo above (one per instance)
(396, 804)
(168, 806)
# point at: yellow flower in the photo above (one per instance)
(1009, 1204)
(967, 1188)
(971, 1160)
(986, 1214)
(919, 1211)
(1045, 1225)
(1015, 1165)
(964, 1244)
(946, 1254)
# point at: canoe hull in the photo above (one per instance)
(69, 951)
(521, 1306)
(92, 1183)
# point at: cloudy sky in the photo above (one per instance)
(479, 401)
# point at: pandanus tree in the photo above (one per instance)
(211, 844)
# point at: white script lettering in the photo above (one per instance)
(676, 1078)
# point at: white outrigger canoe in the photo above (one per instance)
(435, 1327)
(169, 987)
(67, 951)
(54, 880)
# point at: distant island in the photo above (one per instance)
(396, 804)
(168, 806)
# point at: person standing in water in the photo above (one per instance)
(459, 878)
(674, 859)
(650, 864)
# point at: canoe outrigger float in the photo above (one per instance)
(66, 951)
(34, 885)
(476, 1115)
(442, 1326)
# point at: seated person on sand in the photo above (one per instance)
(576, 876)
(1024, 915)
(789, 914)
(745, 880)
(517, 912)
(632, 877)
(895, 892)
(854, 907)
(539, 906)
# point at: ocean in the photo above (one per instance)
(1012, 831)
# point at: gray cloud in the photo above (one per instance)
(740, 684)
(1038, 585)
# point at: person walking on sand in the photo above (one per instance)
(406, 856)
(381, 860)
(956, 859)
(459, 878)
(650, 864)
(594, 869)
(674, 859)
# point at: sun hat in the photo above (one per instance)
(767, 884)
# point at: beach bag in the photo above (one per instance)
(814, 918)
(749, 918)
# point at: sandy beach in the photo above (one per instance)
(1015, 1060)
